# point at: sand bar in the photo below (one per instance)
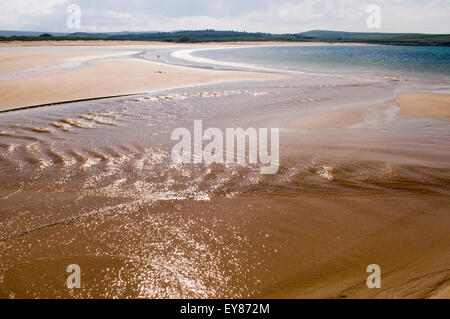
(106, 77)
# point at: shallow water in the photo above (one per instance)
(108, 146)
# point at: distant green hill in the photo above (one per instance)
(233, 36)
(27, 33)
(382, 38)
(321, 34)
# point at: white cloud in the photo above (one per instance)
(29, 14)
(278, 16)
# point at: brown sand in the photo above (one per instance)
(330, 119)
(411, 104)
(414, 104)
(310, 247)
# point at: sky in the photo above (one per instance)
(275, 16)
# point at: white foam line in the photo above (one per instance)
(186, 54)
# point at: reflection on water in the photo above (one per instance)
(92, 183)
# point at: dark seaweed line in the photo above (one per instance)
(70, 101)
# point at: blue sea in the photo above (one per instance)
(401, 60)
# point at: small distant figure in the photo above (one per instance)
(157, 57)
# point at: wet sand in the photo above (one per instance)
(249, 246)
(410, 104)
(361, 181)
(415, 104)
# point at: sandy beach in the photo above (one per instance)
(364, 179)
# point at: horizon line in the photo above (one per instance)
(217, 30)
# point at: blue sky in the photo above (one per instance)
(277, 16)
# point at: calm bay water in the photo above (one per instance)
(409, 61)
